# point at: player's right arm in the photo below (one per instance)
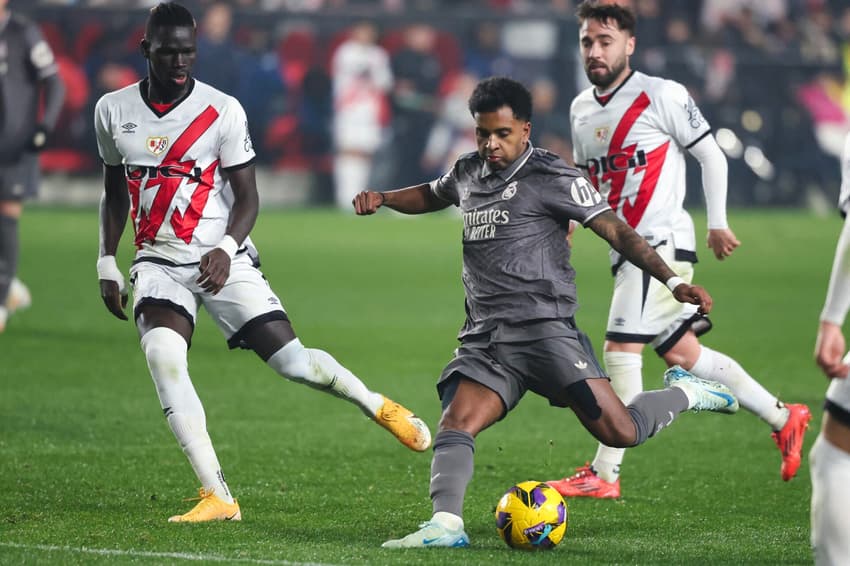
(632, 246)
(417, 199)
(114, 207)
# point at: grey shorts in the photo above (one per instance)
(19, 181)
(547, 363)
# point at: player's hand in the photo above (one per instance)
(722, 242)
(829, 349)
(368, 202)
(113, 289)
(215, 269)
(695, 295)
(114, 295)
(39, 138)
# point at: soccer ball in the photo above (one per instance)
(531, 515)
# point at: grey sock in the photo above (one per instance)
(451, 470)
(8, 254)
(653, 410)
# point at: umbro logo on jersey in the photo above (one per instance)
(581, 364)
(157, 144)
(129, 127)
(509, 192)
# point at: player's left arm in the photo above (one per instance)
(830, 345)
(681, 118)
(46, 69)
(236, 154)
(721, 238)
(54, 97)
(215, 264)
(632, 246)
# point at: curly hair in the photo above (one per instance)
(492, 93)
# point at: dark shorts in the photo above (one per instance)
(546, 364)
(19, 181)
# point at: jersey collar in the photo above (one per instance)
(143, 90)
(507, 174)
(606, 98)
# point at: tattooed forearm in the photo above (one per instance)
(631, 245)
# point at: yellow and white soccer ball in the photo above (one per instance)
(531, 515)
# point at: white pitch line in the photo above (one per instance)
(147, 554)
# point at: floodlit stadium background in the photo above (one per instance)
(769, 75)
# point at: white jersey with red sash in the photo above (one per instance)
(173, 160)
(632, 145)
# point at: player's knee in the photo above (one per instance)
(617, 433)
(301, 364)
(674, 358)
(625, 438)
(465, 419)
(684, 353)
(165, 351)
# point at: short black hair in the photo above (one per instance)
(593, 10)
(492, 93)
(169, 14)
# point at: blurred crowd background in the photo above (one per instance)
(356, 93)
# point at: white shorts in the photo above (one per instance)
(245, 299)
(644, 311)
(838, 393)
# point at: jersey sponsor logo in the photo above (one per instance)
(129, 127)
(481, 224)
(583, 193)
(616, 162)
(581, 364)
(167, 178)
(614, 169)
(157, 144)
(136, 172)
(510, 191)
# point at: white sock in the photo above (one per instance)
(624, 369)
(166, 354)
(448, 520)
(830, 514)
(750, 393)
(320, 370)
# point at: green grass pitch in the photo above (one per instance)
(89, 471)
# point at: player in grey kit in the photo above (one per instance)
(517, 203)
(27, 69)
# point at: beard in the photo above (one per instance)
(607, 79)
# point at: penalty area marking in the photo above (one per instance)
(148, 554)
